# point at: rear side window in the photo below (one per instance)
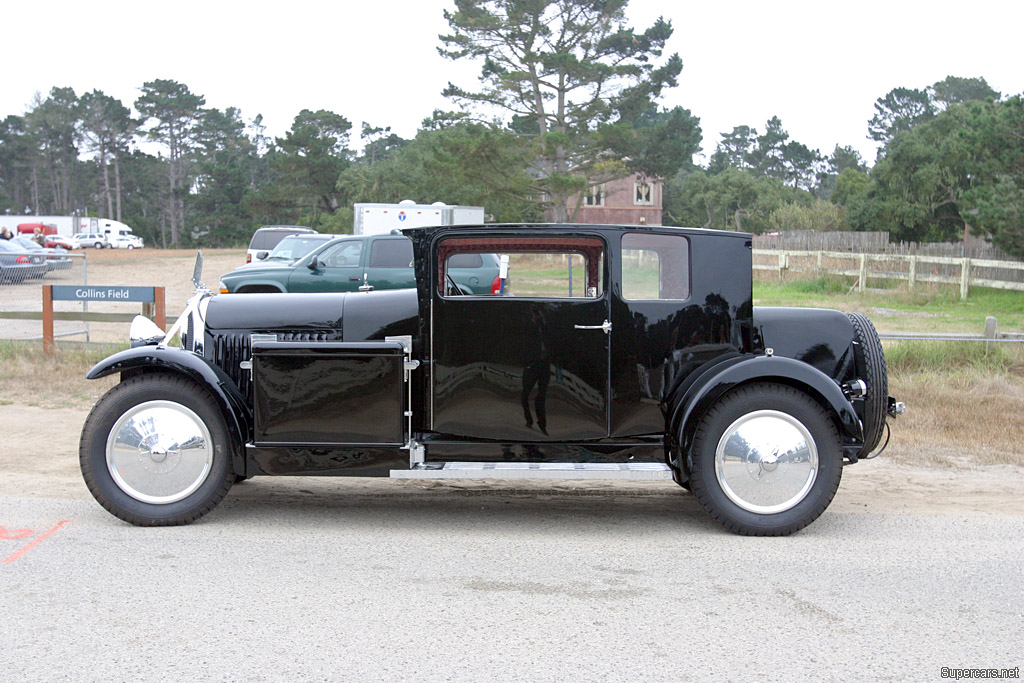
(391, 254)
(466, 261)
(655, 267)
(268, 239)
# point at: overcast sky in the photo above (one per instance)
(819, 66)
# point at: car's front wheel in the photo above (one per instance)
(155, 451)
(765, 460)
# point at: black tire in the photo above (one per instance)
(216, 479)
(98, 245)
(806, 506)
(876, 402)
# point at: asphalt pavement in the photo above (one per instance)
(310, 580)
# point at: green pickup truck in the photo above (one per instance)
(354, 263)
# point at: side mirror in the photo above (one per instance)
(260, 255)
(313, 263)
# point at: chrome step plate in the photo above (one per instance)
(537, 470)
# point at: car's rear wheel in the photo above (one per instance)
(155, 451)
(765, 460)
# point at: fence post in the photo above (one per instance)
(913, 271)
(782, 262)
(819, 273)
(863, 273)
(965, 277)
(161, 308)
(48, 320)
(991, 330)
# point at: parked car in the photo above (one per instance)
(54, 241)
(56, 258)
(18, 265)
(345, 264)
(96, 240)
(642, 357)
(126, 242)
(268, 237)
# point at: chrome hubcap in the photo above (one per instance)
(766, 461)
(159, 452)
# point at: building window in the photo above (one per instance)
(643, 194)
(594, 196)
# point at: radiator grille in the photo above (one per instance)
(228, 351)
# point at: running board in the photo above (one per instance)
(536, 470)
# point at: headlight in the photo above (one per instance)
(222, 288)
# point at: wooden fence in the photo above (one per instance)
(876, 243)
(913, 269)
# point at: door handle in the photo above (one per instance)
(606, 326)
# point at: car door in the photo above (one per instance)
(338, 267)
(533, 364)
(389, 263)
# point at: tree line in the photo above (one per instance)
(951, 156)
(568, 98)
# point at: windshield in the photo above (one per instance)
(294, 247)
(25, 243)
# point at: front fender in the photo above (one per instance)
(731, 373)
(142, 359)
(276, 285)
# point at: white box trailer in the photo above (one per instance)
(69, 225)
(381, 219)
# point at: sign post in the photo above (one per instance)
(152, 298)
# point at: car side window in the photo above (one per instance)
(655, 267)
(391, 253)
(538, 267)
(343, 255)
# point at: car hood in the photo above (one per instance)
(262, 266)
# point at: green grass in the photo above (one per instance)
(935, 308)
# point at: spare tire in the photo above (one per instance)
(876, 401)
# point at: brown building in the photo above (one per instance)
(627, 201)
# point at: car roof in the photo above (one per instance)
(564, 227)
(314, 236)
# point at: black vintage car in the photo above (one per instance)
(617, 353)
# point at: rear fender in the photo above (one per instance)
(716, 382)
(163, 359)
